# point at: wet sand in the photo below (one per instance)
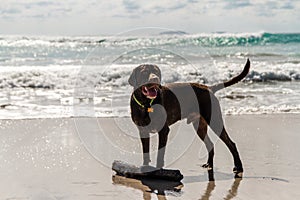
(71, 159)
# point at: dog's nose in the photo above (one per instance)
(153, 78)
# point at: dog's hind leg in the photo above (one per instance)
(214, 117)
(238, 167)
(200, 127)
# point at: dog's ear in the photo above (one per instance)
(159, 72)
(132, 79)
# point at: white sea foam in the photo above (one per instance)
(117, 75)
(57, 91)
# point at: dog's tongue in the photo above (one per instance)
(151, 93)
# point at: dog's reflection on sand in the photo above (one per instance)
(163, 188)
(149, 186)
(232, 192)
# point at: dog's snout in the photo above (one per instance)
(153, 78)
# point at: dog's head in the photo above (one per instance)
(147, 78)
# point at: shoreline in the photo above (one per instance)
(225, 115)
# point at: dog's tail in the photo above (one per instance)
(233, 81)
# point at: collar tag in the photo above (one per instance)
(150, 110)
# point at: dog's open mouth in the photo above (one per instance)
(150, 91)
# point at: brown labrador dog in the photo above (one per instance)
(155, 107)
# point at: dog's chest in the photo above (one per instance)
(152, 119)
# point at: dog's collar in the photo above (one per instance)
(143, 106)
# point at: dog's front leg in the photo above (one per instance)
(145, 139)
(163, 137)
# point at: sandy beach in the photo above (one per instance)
(63, 159)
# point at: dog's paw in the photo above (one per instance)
(238, 171)
(159, 165)
(207, 166)
(238, 175)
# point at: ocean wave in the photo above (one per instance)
(272, 109)
(249, 39)
(33, 77)
(208, 40)
(204, 39)
(46, 50)
(273, 76)
(20, 41)
(117, 75)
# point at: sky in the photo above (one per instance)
(107, 17)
